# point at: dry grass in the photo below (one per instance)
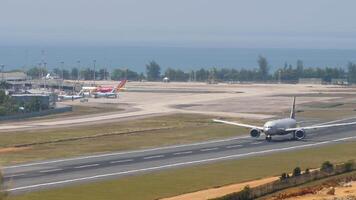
(178, 181)
(138, 134)
(80, 110)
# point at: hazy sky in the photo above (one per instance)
(213, 23)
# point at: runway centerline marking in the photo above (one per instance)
(178, 164)
(86, 166)
(127, 152)
(50, 170)
(209, 149)
(15, 175)
(152, 157)
(183, 153)
(233, 146)
(254, 143)
(121, 161)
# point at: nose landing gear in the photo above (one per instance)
(268, 138)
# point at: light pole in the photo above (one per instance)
(74, 85)
(126, 72)
(40, 75)
(62, 67)
(94, 62)
(45, 77)
(78, 70)
(105, 74)
(40, 72)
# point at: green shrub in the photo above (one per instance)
(327, 166)
(283, 176)
(297, 171)
(349, 165)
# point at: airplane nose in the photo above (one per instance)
(267, 130)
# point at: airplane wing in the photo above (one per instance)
(321, 126)
(238, 124)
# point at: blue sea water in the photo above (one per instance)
(136, 58)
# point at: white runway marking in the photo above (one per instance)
(178, 164)
(233, 146)
(330, 122)
(183, 153)
(254, 143)
(15, 175)
(86, 166)
(152, 157)
(50, 170)
(122, 153)
(121, 161)
(210, 149)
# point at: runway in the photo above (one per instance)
(55, 173)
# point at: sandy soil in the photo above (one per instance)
(341, 193)
(12, 149)
(221, 191)
(253, 101)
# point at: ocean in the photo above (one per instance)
(135, 58)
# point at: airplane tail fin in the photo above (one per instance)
(292, 112)
(121, 84)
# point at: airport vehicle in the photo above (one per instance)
(282, 127)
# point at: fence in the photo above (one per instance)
(278, 185)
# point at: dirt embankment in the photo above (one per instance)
(329, 190)
(221, 191)
(12, 149)
(337, 188)
(346, 191)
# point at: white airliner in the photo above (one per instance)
(282, 127)
(69, 97)
(112, 94)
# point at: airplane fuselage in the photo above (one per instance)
(107, 95)
(278, 127)
(104, 89)
(69, 97)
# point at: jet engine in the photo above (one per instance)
(255, 133)
(299, 134)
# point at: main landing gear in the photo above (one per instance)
(268, 138)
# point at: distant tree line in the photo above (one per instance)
(290, 74)
(287, 73)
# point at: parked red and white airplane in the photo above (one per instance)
(119, 87)
(113, 93)
(104, 89)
